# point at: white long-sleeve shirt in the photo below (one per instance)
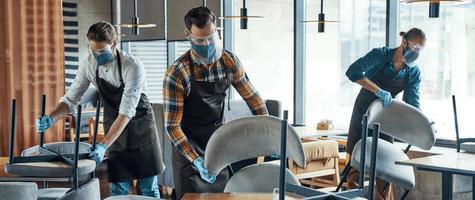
(133, 74)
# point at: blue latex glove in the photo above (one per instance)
(385, 96)
(97, 154)
(44, 123)
(200, 165)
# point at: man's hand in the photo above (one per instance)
(385, 96)
(199, 164)
(97, 154)
(43, 123)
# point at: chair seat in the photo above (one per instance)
(60, 147)
(52, 193)
(386, 167)
(130, 197)
(262, 177)
(49, 169)
(468, 147)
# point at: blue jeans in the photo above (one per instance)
(148, 187)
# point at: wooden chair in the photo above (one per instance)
(100, 131)
(322, 170)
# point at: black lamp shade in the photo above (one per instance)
(135, 29)
(243, 18)
(321, 23)
(434, 8)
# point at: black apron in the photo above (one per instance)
(363, 101)
(136, 153)
(202, 115)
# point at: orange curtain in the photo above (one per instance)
(31, 64)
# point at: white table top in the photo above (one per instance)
(310, 131)
(453, 162)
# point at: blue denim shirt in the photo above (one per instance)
(381, 59)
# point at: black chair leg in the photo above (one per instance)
(343, 175)
(404, 195)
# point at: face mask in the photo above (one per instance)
(205, 51)
(103, 56)
(410, 55)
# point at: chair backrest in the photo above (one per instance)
(403, 122)
(90, 190)
(18, 190)
(239, 109)
(263, 177)
(250, 137)
(60, 147)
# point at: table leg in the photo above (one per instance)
(447, 186)
(473, 187)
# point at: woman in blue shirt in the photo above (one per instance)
(383, 73)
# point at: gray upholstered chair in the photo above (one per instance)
(18, 190)
(90, 191)
(239, 109)
(405, 123)
(52, 169)
(251, 137)
(29, 191)
(57, 170)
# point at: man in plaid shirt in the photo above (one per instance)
(194, 91)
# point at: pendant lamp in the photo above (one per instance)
(135, 25)
(244, 17)
(321, 19)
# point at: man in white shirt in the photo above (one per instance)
(129, 123)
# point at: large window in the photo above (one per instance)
(153, 55)
(447, 63)
(361, 27)
(266, 49)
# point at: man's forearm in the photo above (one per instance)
(368, 84)
(59, 111)
(116, 129)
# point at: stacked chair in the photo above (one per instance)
(406, 124)
(62, 160)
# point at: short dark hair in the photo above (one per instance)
(200, 17)
(413, 33)
(102, 32)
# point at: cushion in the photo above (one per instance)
(313, 166)
(250, 137)
(49, 169)
(90, 191)
(404, 122)
(322, 149)
(263, 177)
(52, 193)
(386, 167)
(18, 190)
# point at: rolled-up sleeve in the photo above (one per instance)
(360, 68)
(411, 92)
(134, 80)
(77, 89)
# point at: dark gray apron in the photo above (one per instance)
(202, 115)
(136, 153)
(365, 98)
